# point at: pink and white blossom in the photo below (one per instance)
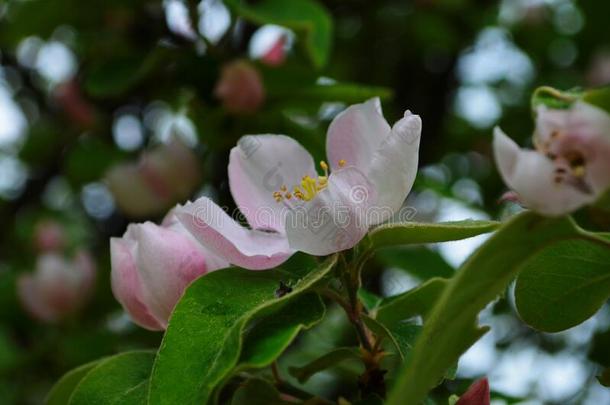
(290, 207)
(59, 287)
(49, 236)
(161, 177)
(151, 267)
(240, 88)
(570, 167)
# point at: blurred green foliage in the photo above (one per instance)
(463, 65)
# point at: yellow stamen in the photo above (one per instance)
(579, 171)
(309, 186)
(324, 167)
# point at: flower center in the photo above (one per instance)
(570, 165)
(309, 187)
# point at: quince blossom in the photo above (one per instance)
(570, 167)
(290, 207)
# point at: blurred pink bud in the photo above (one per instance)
(167, 174)
(599, 72)
(71, 100)
(240, 88)
(48, 236)
(477, 394)
(151, 267)
(276, 55)
(58, 287)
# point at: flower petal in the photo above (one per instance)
(584, 129)
(394, 165)
(216, 230)
(126, 283)
(259, 165)
(355, 134)
(336, 218)
(532, 176)
(167, 263)
(32, 300)
(131, 192)
(212, 260)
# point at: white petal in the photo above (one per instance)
(532, 176)
(167, 263)
(212, 260)
(394, 166)
(355, 134)
(259, 165)
(217, 231)
(336, 219)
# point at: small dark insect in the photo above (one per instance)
(282, 290)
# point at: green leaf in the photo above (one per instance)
(257, 392)
(307, 18)
(112, 77)
(563, 285)
(419, 261)
(370, 300)
(62, 390)
(380, 330)
(119, 379)
(417, 301)
(88, 160)
(345, 92)
(599, 97)
(554, 98)
(323, 362)
(404, 333)
(451, 327)
(272, 335)
(405, 233)
(203, 342)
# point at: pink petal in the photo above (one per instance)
(337, 218)
(127, 285)
(259, 165)
(132, 193)
(85, 266)
(59, 284)
(216, 230)
(477, 394)
(167, 263)
(355, 134)
(532, 176)
(276, 55)
(32, 300)
(583, 128)
(212, 260)
(394, 165)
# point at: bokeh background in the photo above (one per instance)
(88, 88)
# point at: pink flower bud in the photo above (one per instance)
(599, 71)
(477, 394)
(59, 287)
(71, 100)
(162, 177)
(240, 88)
(276, 55)
(151, 267)
(48, 236)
